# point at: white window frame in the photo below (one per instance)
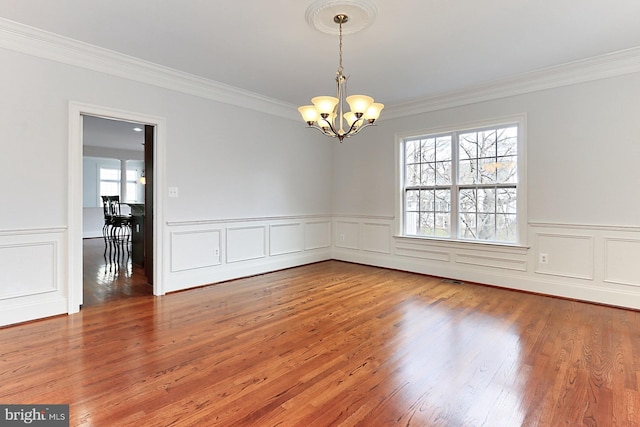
(521, 204)
(111, 181)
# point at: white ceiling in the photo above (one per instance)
(99, 132)
(414, 48)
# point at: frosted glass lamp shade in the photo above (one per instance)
(373, 112)
(350, 117)
(325, 104)
(309, 113)
(359, 103)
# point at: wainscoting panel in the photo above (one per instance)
(317, 235)
(414, 250)
(568, 255)
(376, 237)
(19, 278)
(622, 261)
(248, 246)
(246, 243)
(32, 267)
(596, 263)
(347, 234)
(493, 260)
(194, 249)
(285, 238)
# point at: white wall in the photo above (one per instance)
(583, 144)
(258, 191)
(232, 165)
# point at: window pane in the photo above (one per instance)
(467, 226)
(443, 213)
(467, 200)
(412, 198)
(508, 141)
(487, 169)
(443, 148)
(506, 201)
(109, 174)
(427, 224)
(506, 228)
(428, 150)
(486, 226)
(412, 175)
(507, 169)
(486, 200)
(468, 144)
(428, 176)
(487, 143)
(109, 188)
(467, 171)
(412, 151)
(426, 200)
(443, 173)
(411, 223)
(443, 201)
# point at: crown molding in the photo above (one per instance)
(43, 44)
(36, 42)
(595, 68)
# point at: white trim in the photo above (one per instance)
(74, 256)
(36, 42)
(248, 219)
(521, 121)
(599, 67)
(22, 231)
(623, 228)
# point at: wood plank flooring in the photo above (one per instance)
(332, 344)
(109, 278)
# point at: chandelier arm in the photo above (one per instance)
(323, 131)
(333, 132)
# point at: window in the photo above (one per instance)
(109, 182)
(463, 185)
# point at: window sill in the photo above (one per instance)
(464, 244)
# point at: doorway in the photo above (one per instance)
(155, 127)
(117, 158)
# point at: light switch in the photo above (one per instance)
(173, 191)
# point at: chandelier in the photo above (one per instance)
(327, 112)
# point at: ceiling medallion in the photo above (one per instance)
(321, 13)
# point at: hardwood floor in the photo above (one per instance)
(334, 344)
(109, 278)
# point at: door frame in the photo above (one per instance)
(74, 205)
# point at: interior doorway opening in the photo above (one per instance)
(74, 203)
(117, 243)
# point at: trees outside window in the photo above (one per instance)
(462, 184)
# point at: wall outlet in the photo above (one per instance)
(216, 251)
(173, 191)
(543, 258)
(342, 237)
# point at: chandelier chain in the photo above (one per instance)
(340, 69)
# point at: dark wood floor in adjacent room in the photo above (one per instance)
(107, 277)
(332, 344)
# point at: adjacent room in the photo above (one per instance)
(320, 212)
